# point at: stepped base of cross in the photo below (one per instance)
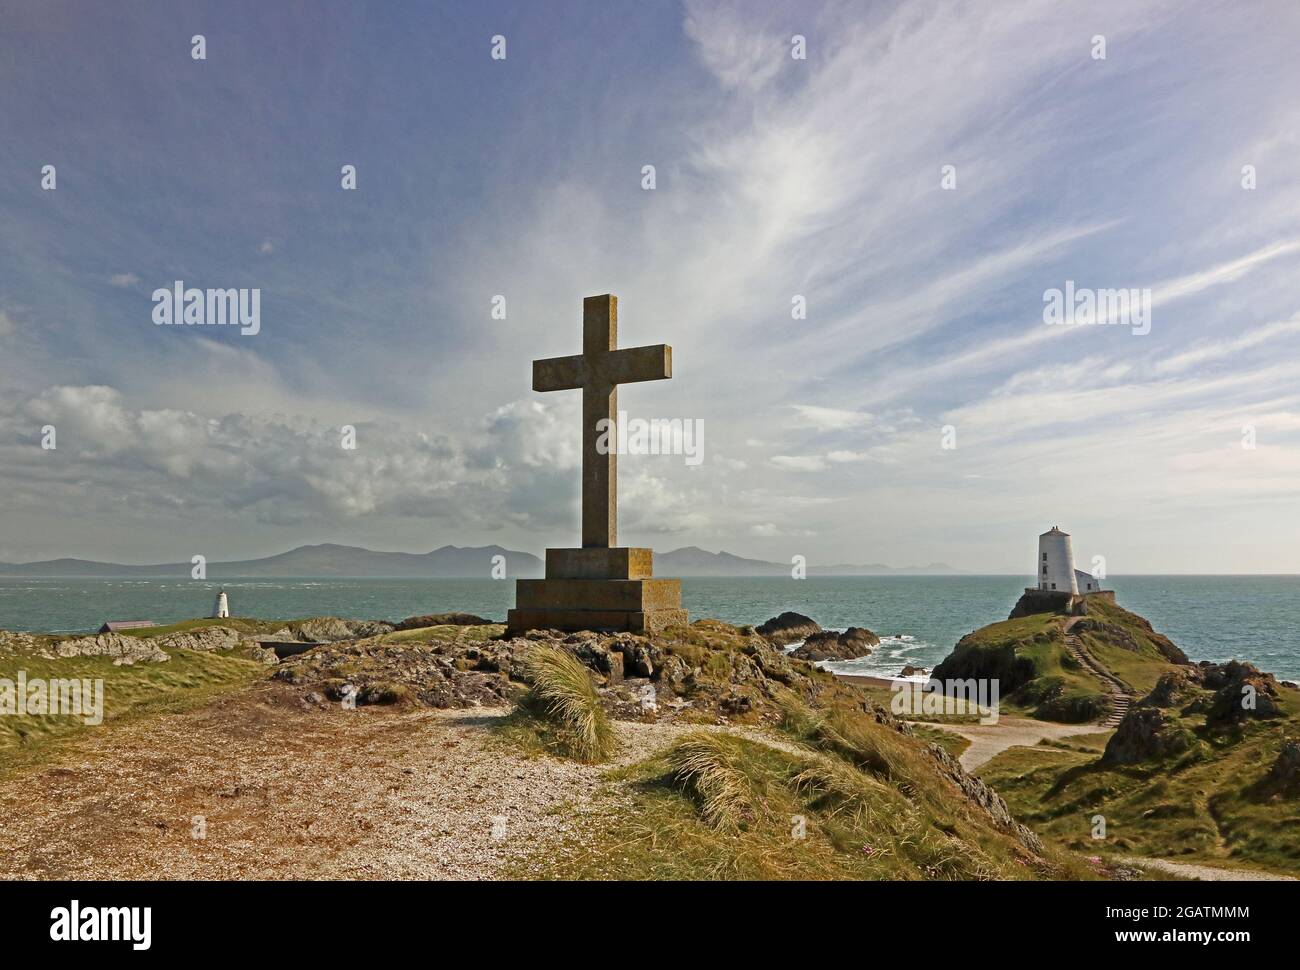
(597, 589)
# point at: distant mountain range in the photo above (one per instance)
(694, 561)
(329, 559)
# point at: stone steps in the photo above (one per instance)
(1119, 696)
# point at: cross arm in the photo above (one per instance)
(559, 373)
(633, 364)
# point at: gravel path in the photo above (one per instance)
(1190, 870)
(282, 790)
(988, 740)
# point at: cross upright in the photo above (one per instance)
(598, 371)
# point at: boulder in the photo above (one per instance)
(827, 645)
(787, 628)
(1174, 689)
(1145, 733)
(1286, 769)
(1241, 693)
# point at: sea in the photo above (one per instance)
(918, 618)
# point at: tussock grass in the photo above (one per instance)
(564, 701)
(839, 789)
(846, 734)
(711, 766)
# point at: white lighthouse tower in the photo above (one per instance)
(1055, 567)
(222, 609)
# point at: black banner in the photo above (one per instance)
(144, 920)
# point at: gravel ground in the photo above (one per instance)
(289, 791)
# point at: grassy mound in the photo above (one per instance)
(1038, 676)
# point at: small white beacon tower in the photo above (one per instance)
(222, 609)
(1055, 566)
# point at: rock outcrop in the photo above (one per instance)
(787, 628)
(1145, 733)
(1241, 693)
(442, 619)
(828, 645)
(124, 650)
(985, 797)
(1174, 689)
(1130, 637)
(331, 629)
(11, 642)
(1285, 772)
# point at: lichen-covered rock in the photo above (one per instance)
(125, 651)
(442, 674)
(11, 642)
(330, 629)
(206, 638)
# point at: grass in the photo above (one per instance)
(841, 797)
(439, 634)
(130, 692)
(954, 744)
(240, 624)
(710, 766)
(562, 707)
(1212, 805)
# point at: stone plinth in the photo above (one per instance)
(597, 589)
(598, 563)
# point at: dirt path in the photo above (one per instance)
(285, 790)
(988, 740)
(1190, 870)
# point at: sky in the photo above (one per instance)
(918, 180)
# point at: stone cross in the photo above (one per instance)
(598, 371)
